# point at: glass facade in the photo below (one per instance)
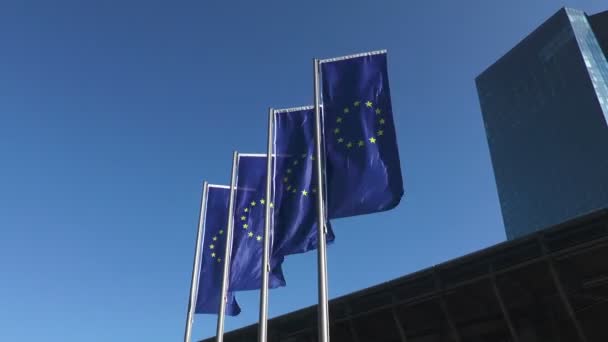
(599, 24)
(593, 56)
(545, 110)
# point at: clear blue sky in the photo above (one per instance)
(113, 112)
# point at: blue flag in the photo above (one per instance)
(248, 243)
(213, 249)
(295, 183)
(362, 169)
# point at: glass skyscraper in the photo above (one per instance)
(545, 109)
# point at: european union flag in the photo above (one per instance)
(213, 249)
(249, 219)
(295, 183)
(362, 167)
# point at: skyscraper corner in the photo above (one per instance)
(545, 109)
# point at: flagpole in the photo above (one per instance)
(196, 266)
(263, 325)
(323, 309)
(228, 250)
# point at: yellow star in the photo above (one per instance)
(340, 140)
(304, 193)
(381, 121)
(294, 190)
(213, 255)
(288, 170)
(361, 143)
(219, 259)
(221, 232)
(243, 218)
(349, 145)
(271, 205)
(303, 155)
(295, 162)
(245, 226)
(380, 132)
(285, 180)
(262, 201)
(289, 187)
(372, 140)
(246, 209)
(378, 111)
(337, 130)
(339, 119)
(346, 110)
(357, 103)
(215, 238)
(253, 203)
(250, 234)
(368, 104)
(259, 238)
(211, 246)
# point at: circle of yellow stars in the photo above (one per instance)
(243, 222)
(244, 218)
(346, 112)
(292, 189)
(212, 246)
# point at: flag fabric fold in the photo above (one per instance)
(249, 220)
(212, 254)
(295, 183)
(363, 172)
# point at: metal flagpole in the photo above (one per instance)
(197, 265)
(221, 315)
(323, 309)
(263, 325)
